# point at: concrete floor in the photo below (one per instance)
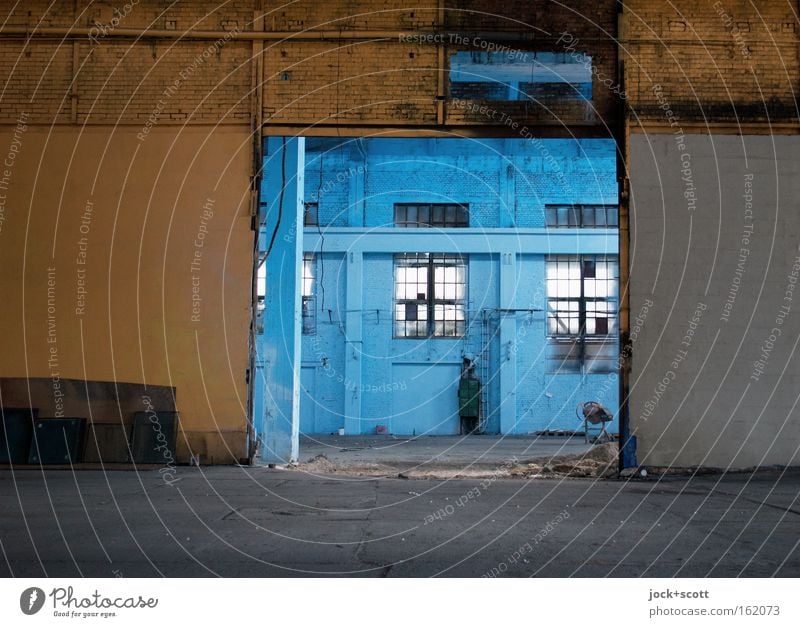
(474, 451)
(256, 522)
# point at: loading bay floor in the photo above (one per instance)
(258, 522)
(421, 455)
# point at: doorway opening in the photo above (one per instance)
(412, 287)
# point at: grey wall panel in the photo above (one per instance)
(715, 301)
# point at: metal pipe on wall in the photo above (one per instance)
(417, 37)
(622, 136)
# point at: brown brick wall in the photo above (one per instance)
(331, 82)
(35, 79)
(350, 15)
(541, 18)
(104, 78)
(397, 83)
(120, 81)
(198, 14)
(715, 61)
(124, 79)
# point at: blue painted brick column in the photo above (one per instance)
(353, 343)
(508, 332)
(280, 427)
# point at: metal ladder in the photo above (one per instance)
(484, 358)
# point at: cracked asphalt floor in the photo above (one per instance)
(259, 522)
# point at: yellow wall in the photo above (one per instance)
(147, 207)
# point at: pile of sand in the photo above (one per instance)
(323, 466)
(600, 461)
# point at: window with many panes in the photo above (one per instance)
(443, 215)
(430, 295)
(582, 313)
(309, 310)
(581, 216)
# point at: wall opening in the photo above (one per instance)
(520, 75)
(421, 262)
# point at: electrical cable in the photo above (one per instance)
(280, 200)
(321, 235)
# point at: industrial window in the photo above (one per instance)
(520, 75)
(311, 214)
(309, 310)
(585, 216)
(430, 295)
(582, 306)
(432, 214)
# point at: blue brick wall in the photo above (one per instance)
(506, 183)
(328, 181)
(495, 176)
(381, 349)
(561, 171)
(548, 401)
(324, 350)
(449, 178)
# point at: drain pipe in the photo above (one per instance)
(627, 442)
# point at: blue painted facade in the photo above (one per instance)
(353, 373)
(278, 345)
